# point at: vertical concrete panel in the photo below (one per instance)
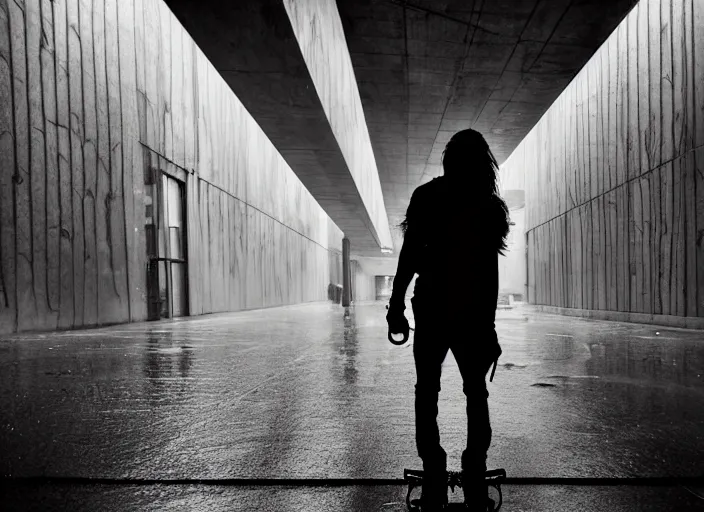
(195, 250)
(227, 237)
(590, 259)
(531, 267)
(37, 162)
(599, 230)
(109, 309)
(666, 248)
(266, 260)
(666, 82)
(63, 160)
(679, 78)
(216, 239)
(698, 71)
(132, 96)
(689, 183)
(165, 80)
(612, 245)
(699, 186)
(115, 196)
(621, 103)
(583, 141)
(206, 250)
(644, 149)
(254, 273)
(8, 297)
(51, 183)
(178, 90)
(687, 164)
(647, 246)
(189, 90)
(678, 306)
(656, 240)
(242, 241)
(150, 59)
(610, 84)
(76, 132)
(632, 124)
(90, 141)
(24, 252)
(653, 132)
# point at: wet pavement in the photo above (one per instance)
(301, 392)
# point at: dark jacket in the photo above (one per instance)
(452, 241)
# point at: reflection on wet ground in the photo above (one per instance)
(301, 392)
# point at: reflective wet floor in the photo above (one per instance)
(301, 392)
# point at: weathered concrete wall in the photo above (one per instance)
(92, 96)
(319, 32)
(615, 173)
(363, 285)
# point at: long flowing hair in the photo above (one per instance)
(471, 170)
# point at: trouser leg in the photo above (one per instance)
(474, 366)
(429, 354)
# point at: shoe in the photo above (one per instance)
(476, 492)
(433, 497)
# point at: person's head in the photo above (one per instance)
(472, 171)
(467, 158)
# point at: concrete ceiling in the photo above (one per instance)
(428, 68)
(424, 69)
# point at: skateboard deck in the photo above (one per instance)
(493, 479)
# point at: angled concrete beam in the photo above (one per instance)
(318, 29)
(314, 123)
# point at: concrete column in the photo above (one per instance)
(346, 279)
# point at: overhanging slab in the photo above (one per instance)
(254, 47)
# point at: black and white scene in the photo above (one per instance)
(352, 255)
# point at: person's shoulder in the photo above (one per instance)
(428, 188)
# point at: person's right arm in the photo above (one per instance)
(407, 259)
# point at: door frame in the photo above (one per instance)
(158, 173)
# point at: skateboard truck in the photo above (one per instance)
(493, 478)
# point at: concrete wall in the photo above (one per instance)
(94, 94)
(363, 285)
(614, 173)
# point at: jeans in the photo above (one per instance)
(475, 349)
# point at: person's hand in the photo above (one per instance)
(398, 323)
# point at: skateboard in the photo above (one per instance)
(493, 478)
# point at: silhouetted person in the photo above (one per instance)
(455, 228)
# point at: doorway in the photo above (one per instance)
(166, 235)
